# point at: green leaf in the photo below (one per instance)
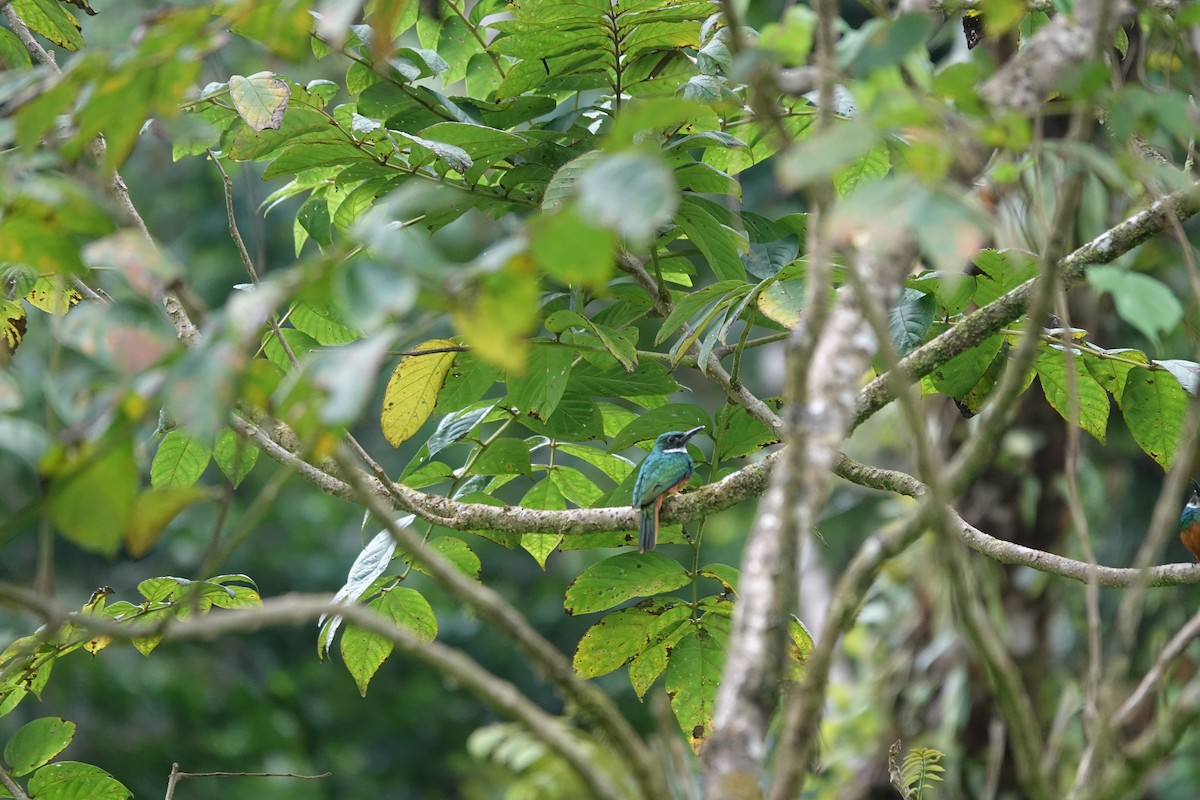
(615, 580)
(71, 780)
(412, 390)
(536, 393)
(671, 417)
(1144, 302)
(701, 304)
(738, 434)
(620, 636)
(365, 651)
(649, 378)
(1001, 272)
(1112, 368)
(37, 742)
(51, 20)
(765, 259)
(721, 246)
(909, 320)
(301, 344)
(783, 301)
(577, 417)
(727, 575)
(956, 377)
(13, 54)
(621, 349)
(180, 460)
(645, 668)
(632, 193)
(234, 456)
(871, 167)
(323, 323)
(503, 457)
(371, 562)
(92, 504)
(614, 466)
(1051, 368)
(543, 495)
(457, 552)
(454, 427)
(468, 381)
(571, 250)
(692, 676)
(574, 485)
(1154, 405)
(260, 99)
(153, 510)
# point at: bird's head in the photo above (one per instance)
(675, 441)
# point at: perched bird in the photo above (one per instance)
(1189, 523)
(665, 471)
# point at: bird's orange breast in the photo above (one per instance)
(1191, 539)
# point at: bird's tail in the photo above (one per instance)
(648, 528)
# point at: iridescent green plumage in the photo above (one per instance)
(665, 470)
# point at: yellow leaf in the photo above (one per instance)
(413, 389)
(12, 327)
(52, 294)
(153, 510)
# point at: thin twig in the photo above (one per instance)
(6, 778)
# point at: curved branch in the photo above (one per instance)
(981, 324)
(291, 609)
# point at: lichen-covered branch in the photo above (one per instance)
(985, 322)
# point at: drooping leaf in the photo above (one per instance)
(620, 636)
(364, 651)
(234, 456)
(92, 501)
(50, 19)
(571, 250)
(956, 377)
(1154, 404)
(721, 246)
(692, 676)
(543, 495)
(1091, 399)
(153, 510)
(371, 562)
(620, 578)
(909, 320)
(412, 390)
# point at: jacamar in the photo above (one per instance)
(665, 471)
(1189, 523)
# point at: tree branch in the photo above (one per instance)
(291, 609)
(985, 322)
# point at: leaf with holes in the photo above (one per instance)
(622, 635)
(693, 674)
(615, 580)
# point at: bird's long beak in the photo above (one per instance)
(689, 434)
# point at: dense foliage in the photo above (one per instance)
(525, 239)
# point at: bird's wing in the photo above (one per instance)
(646, 488)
